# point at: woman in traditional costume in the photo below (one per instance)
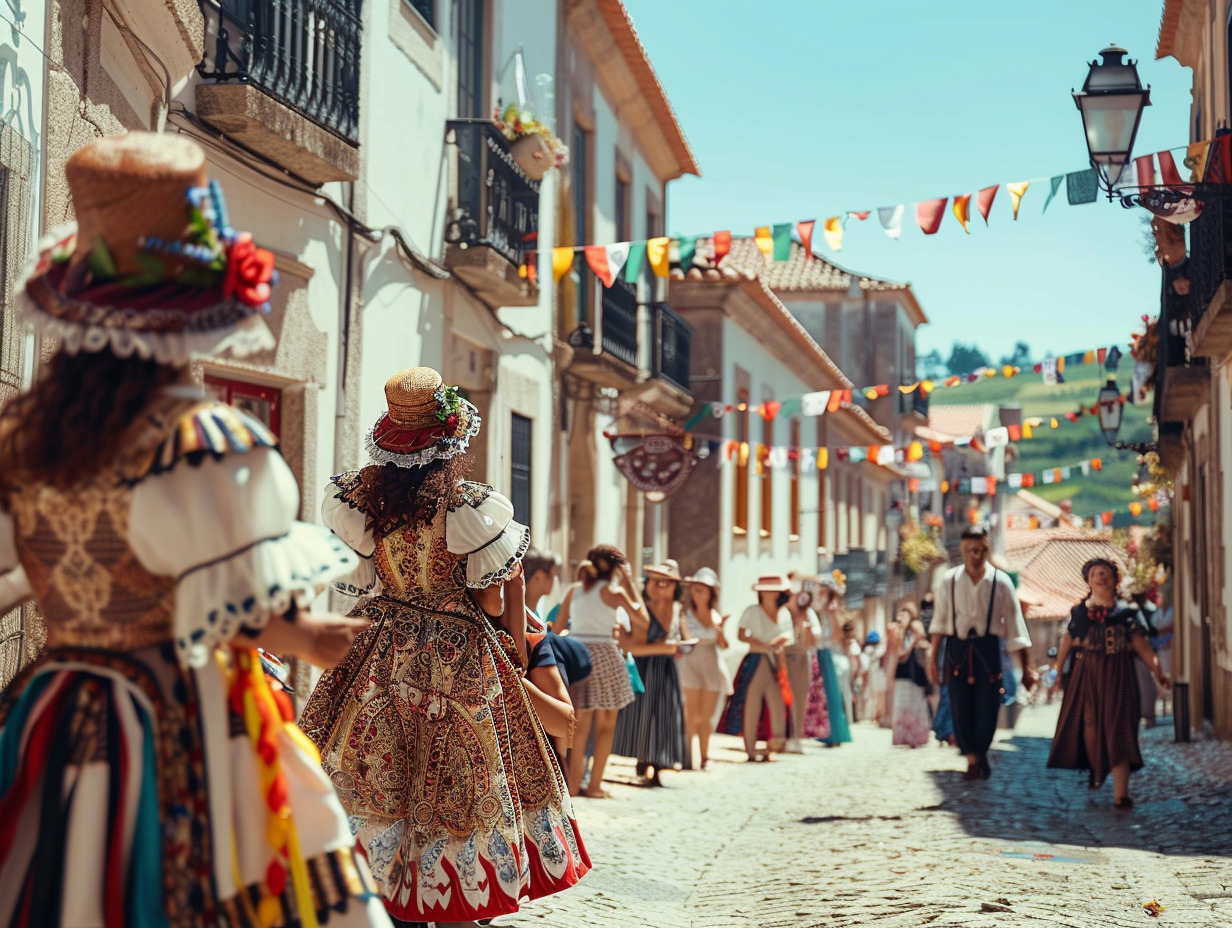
(826, 694)
(1097, 730)
(149, 773)
(426, 729)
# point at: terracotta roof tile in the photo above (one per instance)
(1050, 569)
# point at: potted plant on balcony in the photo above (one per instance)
(531, 143)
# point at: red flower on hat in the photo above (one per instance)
(249, 272)
(451, 421)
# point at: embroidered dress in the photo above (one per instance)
(454, 792)
(149, 774)
(1098, 725)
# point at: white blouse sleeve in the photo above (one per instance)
(226, 530)
(14, 586)
(351, 525)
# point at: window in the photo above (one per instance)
(766, 472)
(519, 468)
(16, 169)
(653, 219)
(471, 103)
(623, 232)
(425, 8)
(579, 156)
(794, 493)
(740, 510)
(260, 402)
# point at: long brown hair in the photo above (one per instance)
(603, 560)
(412, 495)
(73, 422)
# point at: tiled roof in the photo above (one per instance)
(961, 421)
(1050, 568)
(800, 273)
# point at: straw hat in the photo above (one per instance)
(706, 577)
(772, 583)
(668, 570)
(425, 421)
(151, 267)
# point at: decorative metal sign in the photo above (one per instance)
(659, 465)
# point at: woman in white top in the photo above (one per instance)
(606, 584)
(702, 670)
(760, 687)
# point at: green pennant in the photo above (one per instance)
(633, 264)
(1056, 185)
(688, 248)
(790, 407)
(782, 241)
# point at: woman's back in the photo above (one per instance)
(590, 616)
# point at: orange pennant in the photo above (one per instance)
(805, 231)
(962, 211)
(1135, 509)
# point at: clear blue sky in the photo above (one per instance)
(799, 109)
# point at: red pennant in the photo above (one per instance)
(983, 200)
(883, 389)
(1167, 169)
(861, 215)
(1072, 416)
(1028, 480)
(805, 231)
(1037, 368)
(1015, 432)
(769, 409)
(929, 213)
(934, 447)
(992, 486)
(1107, 517)
(1153, 505)
(722, 246)
(596, 260)
(1102, 353)
(1144, 166)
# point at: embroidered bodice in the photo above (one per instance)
(1104, 630)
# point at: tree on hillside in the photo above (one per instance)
(966, 358)
(1021, 356)
(930, 366)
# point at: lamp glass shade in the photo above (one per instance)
(1110, 410)
(1111, 102)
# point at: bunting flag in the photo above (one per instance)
(983, 201)
(1081, 187)
(1167, 169)
(769, 410)
(657, 255)
(607, 262)
(892, 219)
(634, 260)
(1056, 185)
(1195, 160)
(1144, 167)
(722, 245)
(782, 241)
(962, 210)
(1017, 192)
(562, 262)
(832, 229)
(688, 250)
(928, 214)
(860, 215)
(814, 404)
(765, 242)
(805, 231)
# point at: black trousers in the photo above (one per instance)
(973, 674)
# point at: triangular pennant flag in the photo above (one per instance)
(688, 250)
(1107, 517)
(1145, 168)
(769, 410)
(1017, 192)
(1102, 355)
(1195, 160)
(596, 260)
(1081, 187)
(823, 458)
(962, 211)
(1056, 185)
(805, 231)
(1167, 169)
(722, 245)
(814, 404)
(790, 407)
(861, 215)
(983, 200)
(657, 255)
(832, 229)
(562, 262)
(892, 219)
(633, 262)
(782, 241)
(928, 214)
(836, 401)
(764, 241)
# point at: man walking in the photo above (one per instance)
(977, 609)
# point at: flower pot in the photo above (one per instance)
(533, 156)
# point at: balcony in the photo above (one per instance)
(607, 353)
(282, 79)
(494, 215)
(1183, 382)
(672, 337)
(1210, 273)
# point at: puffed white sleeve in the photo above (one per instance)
(14, 587)
(225, 528)
(350, 524)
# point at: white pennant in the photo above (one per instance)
(892, 219)
(617, 255)
(814, 404)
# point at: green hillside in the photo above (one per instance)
(1108, 489)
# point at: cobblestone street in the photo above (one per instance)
(868, 834)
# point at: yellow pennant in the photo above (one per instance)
(1027, 431)
(1195, 160)
(765, 242)
(832, 229)
(562, 261)
(823, 458)
(1016, 194)
(658, 256)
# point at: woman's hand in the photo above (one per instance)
(721, 639)
(1162, 679)
(321, 638)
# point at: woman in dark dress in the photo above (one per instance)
(1098, 727)
(651, 728)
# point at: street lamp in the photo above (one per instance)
(1111, 103)
(1110, 406)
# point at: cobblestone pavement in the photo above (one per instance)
(870, 834)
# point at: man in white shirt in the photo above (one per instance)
(977, 608)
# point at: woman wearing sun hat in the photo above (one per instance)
(149, 772)
(761, 680)
(703, 673)
(425, 728)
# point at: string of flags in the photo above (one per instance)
(1022, 520)
(1173, 200)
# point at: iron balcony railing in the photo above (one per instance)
(618, 321)
(1210, 247)
(495, 204)
(672, 336)
(302, 53)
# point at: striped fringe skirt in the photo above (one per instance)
(651, 728)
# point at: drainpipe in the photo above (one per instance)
(345, 305)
